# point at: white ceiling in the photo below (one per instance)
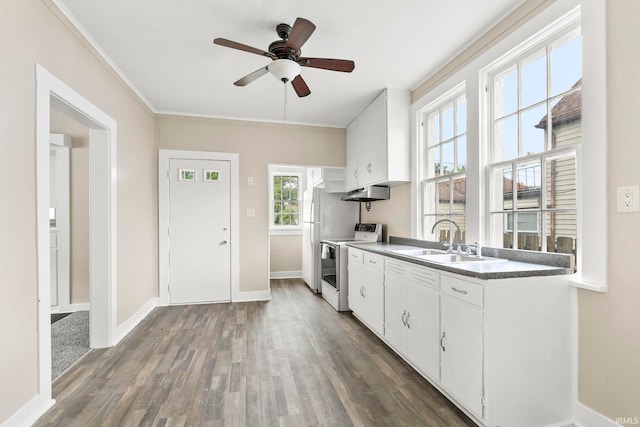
(165, 49)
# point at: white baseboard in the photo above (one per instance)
(285, 274)
(128, 325)
(252, 296)
(29, 413)
(70, 308)
(587, 417)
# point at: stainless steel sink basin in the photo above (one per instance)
(418, 252)
(458, 258)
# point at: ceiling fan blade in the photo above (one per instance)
(252, 76)
(300, 33)
(344, 65)
(244, 47)
(300, 86)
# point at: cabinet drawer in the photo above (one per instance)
(374, 261)
(461, 289)
(356, 256)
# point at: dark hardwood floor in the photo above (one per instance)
(293, 361)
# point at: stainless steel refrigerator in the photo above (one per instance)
(325, 216)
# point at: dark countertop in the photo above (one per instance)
(511, 263)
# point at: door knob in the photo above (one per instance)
(224, 242)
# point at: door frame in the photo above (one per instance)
(164, 156)
(102, 217)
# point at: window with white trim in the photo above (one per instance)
(534, 105)
(443, 166)
(285, 212)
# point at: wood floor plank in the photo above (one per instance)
(292, 361)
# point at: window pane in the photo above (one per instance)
(532, 135)
(434, 126)
(502, 229)
(459, 197)
(448, 158)
(461, 115)
(444, 197)
(447, 122)
(561, 182)
(506, 92)
(534, 80)
(277, 207)
(459, 236)
(286, 194)
(502, 189)
(429, 197)
(427, 225)
(528, 230)
(277, 219)
(506, 139)
(433, 165)
(561, 232)
(566, 66)
(566, 115)
(529, 185)
(461, 147)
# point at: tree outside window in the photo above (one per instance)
(286, 201)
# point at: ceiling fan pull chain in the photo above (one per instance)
(285, 103)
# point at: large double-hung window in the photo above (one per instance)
(443, 166)
(534, 99)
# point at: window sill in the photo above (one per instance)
(285, 232)
(580, 284)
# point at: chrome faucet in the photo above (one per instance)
(433, 229)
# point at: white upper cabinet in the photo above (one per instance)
(378, 142)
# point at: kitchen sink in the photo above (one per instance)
(418, 252)
(457, 258)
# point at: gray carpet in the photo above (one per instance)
(69, 341)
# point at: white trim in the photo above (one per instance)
(246, 119)
(285, 231)
(29, 413)
(587, 417)
(50, 89)
(248, 296)
(130, 324)
(285, 274)
(163, 219)
(61, 145)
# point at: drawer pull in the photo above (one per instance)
(372, 261)
(442, 341)
(404, 322)
(407, 321)
(460, 291)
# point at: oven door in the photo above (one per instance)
(330, 264)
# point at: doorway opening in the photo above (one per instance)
(53, 93)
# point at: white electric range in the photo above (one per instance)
(333, 267)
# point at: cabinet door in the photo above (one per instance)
(395, 312)
(355, 297)
(372, 163)
(461, 352)
(423, 325)
(353, 144)
(373, 310)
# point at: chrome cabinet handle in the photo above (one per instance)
(372, 262)
(404, 322)
(442, 341)
(460, 291)
(369, 168)
(407, 320)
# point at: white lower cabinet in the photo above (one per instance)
(461, 352)
(499, 349)
(412, 314)
(366, 288)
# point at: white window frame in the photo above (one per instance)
(286, 229)
(592, 156)
(450, 97)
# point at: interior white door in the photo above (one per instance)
(199, 231)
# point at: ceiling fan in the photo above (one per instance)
(285, 54)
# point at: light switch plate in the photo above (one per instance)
(250, 180)
(251, 212)
(628, 199)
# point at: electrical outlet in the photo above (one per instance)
(629, 199)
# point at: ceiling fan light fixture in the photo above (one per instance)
(284, 70)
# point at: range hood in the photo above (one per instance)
(368, 194)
